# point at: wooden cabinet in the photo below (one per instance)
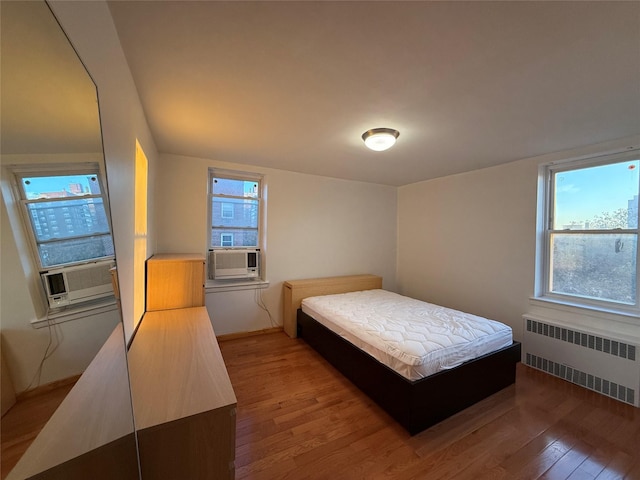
(175, 281)
(184, 405)
(183, 402)
(296, 290)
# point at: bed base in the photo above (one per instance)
(419, 404)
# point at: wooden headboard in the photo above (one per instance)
(296, 290)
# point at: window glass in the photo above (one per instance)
(594, 266)
(67, 216)
(60, 186)
(591, 237)
(235, 187)
(76, 250)
(227, 210)
(235, 212)
(597, 198)
(226, 239)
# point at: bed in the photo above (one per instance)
(416, 399)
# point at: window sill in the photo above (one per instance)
(215, 286)
(583, 309)
(76, 312)
(622, 324)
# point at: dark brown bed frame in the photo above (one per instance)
(416, 405)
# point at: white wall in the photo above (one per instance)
(91, 31)
(74, 343)
(316, 226)
(468, 241)
(90, 28)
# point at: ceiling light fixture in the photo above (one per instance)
(380, 139)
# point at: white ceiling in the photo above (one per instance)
(293, 85)
(49, 102)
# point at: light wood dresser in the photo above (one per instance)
(183, 402)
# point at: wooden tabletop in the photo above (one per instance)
(178, 257)
(176, 368)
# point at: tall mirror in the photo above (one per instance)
(61, 328)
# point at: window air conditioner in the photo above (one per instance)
(225, 264)
(72, 285)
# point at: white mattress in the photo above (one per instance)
(414, 338)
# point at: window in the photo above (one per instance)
(65, 210)
(590, 232)
(226, 210)
(226, 239)
(235, 206)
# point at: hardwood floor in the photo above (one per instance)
(22, 423)
(298, 418)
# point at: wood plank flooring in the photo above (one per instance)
(22, 423)
(298, 418)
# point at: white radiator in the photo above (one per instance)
(606, 365)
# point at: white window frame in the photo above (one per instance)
(546, 196)
(222, 241)
(252, 284)
(237, 175)
(21, 171)
(227, 210)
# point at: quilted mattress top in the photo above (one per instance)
(413, 337)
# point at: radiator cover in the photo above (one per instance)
(603, 364)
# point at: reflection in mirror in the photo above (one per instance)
(61, 328)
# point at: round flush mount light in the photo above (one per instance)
(380, 139)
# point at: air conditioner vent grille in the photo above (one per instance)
(234, 264)
(587, 340)
(89, 277)
(231, 260)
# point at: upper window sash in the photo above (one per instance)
(243, 176)
(49, 170)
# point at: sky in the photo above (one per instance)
(54, 184)
(585, 193)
